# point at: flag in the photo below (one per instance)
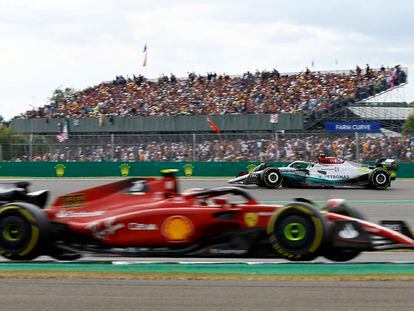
(274, 118)
(64, 132)
(313, 62)
(213, 126)
(101, 120)
(336, 61)
(145, 56)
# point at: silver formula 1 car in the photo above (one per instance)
(327, 172)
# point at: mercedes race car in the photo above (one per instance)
(150, 217)
(328, 172)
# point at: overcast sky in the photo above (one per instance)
(46, 44)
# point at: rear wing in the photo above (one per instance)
(390, 165)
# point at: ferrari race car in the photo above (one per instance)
(328, 172)
(150, 217)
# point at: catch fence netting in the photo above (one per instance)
(206, 147)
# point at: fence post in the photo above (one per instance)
(31, 147)
(194, 147)
(277, 145)
(357, 146)
(112, 147)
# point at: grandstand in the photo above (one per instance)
(313, 94)
(261, 117)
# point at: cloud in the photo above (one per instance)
(46, 44)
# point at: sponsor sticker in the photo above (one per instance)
(177, 228)
(134, 226)
(251, 219)
(71, 214)
(73, 200)
(124, 169)
(60, 170)
(188, 169)
(338, 177)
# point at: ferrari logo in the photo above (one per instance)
(60, 170)
(124, 169)
(188, 169)
(251, 219)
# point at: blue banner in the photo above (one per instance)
(352, 127)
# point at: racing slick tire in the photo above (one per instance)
(64, 256)
(379, 179)
(297, 232)
(341, 254)
(271, 178)
(23, 231)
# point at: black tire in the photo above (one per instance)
(297, 232)
(271, 178)
(23, 231)
(341, 254)
(379, 179)
(59, 255)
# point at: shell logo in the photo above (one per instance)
(60, 170)
(177, 229)
(124, 169)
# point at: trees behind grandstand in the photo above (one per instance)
(60, 94)
(17, 145)
(409, 124)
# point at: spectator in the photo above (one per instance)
(210, 149)
(262, 92)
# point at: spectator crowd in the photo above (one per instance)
(251, 93)
(259, 92)
(270, 148)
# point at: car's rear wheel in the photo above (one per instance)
(297, 231)
(379, 179)
(272, 178)
(23, 231)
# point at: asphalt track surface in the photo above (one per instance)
(394, 203)
(179, 295)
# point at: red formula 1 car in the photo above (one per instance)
(150, 217)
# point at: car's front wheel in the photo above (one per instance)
(297, 232)
(340, 254)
